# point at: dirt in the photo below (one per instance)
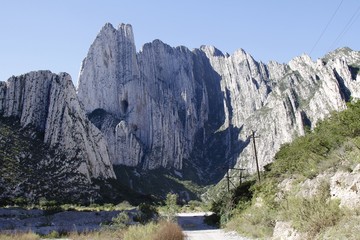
(195, 228)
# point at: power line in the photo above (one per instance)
(326, 27)
(351, 21)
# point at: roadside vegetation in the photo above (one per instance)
(147, 223)
(254, 208)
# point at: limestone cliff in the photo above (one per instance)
(47, 103)
(155, 102)
(172, 107)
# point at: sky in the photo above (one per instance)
(55, 35)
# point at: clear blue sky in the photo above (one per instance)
(56, 34)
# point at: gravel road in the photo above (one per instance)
(195, 228)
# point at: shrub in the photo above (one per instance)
(20, 201)
(171, 207)
(139, 232)
(235, 201)
(312, 215)
(53, 234)
(121, 220)
(169, 231)
(255, 222)
(125, 205)
(212, 220)
(193, 204)
(146, 213)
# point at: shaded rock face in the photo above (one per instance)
(172, 107)
(47, 103)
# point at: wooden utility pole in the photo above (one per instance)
(256, 158)
(228, 180)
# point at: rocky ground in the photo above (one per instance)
(41, 222)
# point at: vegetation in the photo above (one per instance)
(20, 236)
(158, 182)
(146, 213)
(145, 225)
(150, 231)
(253, 208)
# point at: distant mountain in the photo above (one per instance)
(185, 114)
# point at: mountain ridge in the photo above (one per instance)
(187, 111)
(302, 91)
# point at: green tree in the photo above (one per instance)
(171, 207)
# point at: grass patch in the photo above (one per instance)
(20, 236)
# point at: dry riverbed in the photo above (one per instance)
(42, 222)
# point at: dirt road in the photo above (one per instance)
(195, 228)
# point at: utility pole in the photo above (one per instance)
(228, 180)
(256, 158)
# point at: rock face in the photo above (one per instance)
(48, 104)
(172, 107)
(153, 103)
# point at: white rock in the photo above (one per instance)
(346, 187)
(49, 103)
(189, 103)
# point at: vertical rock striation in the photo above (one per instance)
(48, 103)
(152, 98)
(172, 107)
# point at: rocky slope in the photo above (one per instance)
(194, 110)
(47, 140)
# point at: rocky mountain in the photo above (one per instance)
(48, 146)
(179, 113)
(165, 107)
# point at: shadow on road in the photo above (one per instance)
(193, 222)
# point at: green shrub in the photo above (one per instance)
(121, 220)
(20, 201)
(53, 234)
(254, 222)
(171, 207)
(314, 214)
(139, 232)
(146, 213)
(212, 220)
(125, 205)
(194, 205)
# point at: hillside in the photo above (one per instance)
(30, 170)
(310, 191)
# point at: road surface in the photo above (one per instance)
(195, 228)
